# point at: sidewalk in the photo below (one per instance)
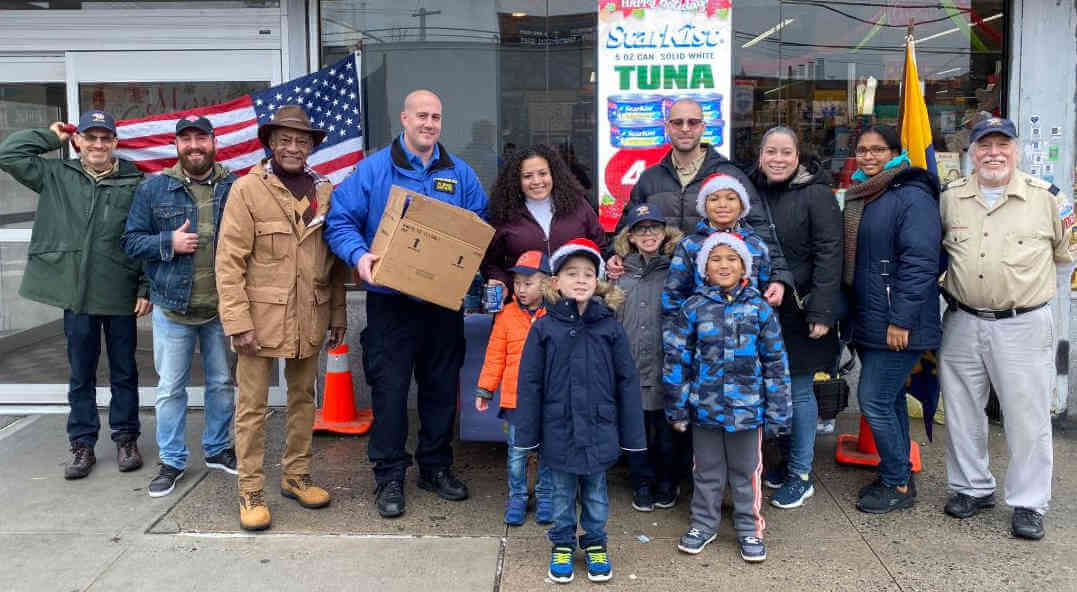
(105, 533)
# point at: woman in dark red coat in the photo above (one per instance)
(537, 204)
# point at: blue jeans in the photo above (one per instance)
(594, 508)
(518, 472)
(173, 351)
(882, 401)
(83, 334)
(799, 446)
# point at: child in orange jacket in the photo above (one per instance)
(502, 367)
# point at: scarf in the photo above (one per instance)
(857, 198)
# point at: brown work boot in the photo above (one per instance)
(127, 455)
(253, 511)
(82, 463)
(302, 489)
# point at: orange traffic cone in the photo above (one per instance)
(338, 413)
(859, 449)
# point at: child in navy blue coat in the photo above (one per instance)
(578, 398)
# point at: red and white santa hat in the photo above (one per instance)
(729, 239)
(719, 181)
(577, 246)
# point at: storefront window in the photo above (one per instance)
(132, 100)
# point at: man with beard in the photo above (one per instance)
(1004, 231)
(76, 263)
(674, 184)
(173, 228)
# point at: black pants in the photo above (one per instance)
(402, 336)
(83, 333)
(668, 456)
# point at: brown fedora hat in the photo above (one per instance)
(291, 117)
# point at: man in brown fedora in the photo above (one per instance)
(281, 290)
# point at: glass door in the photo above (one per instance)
(128, 84)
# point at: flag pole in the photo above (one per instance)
(358, 54)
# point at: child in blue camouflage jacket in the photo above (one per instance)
(727, 373)
(722, 203)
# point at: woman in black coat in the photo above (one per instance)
(808, 225)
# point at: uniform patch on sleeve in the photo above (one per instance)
(1054, 189)
(445, 185)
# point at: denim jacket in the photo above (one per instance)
(161, 205)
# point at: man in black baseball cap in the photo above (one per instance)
(183, 285)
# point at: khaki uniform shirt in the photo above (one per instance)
(274, 275)
(1004, 256)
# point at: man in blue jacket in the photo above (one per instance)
(404, 334)
(173, 227)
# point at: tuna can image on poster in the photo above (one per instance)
(637, 135)
(635, 108)
(713, 133)
(710, 103)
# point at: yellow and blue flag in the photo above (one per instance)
(915, 124)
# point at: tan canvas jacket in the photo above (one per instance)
(274, 275)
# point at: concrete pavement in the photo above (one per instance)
(105, 533)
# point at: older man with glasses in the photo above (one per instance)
(76, 263)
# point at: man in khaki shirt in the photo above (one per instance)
(1004, 231)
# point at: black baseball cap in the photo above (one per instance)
(195, 121)
(644, 212)
(97, 118)
(993, 125)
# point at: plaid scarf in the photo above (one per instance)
(857, 198)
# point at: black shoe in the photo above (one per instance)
(165, 481)
(82, 463)
(1027, 524)
(642, 501)
(224, 460)
(127, 455)
(878, 482)
(884, 498)
(667, 496)
(445, 484)
(390, 499)
(964, 506)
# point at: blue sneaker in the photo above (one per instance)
(598, 564)
(543, 510)
(793, 492)
(515, 511)
(693, 541)
(561, 565)
(752, 549)
(774, 478)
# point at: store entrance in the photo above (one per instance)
(36, 90)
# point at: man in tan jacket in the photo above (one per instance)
(281, 289)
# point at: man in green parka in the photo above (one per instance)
(76, 263)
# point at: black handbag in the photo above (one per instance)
(832, 394)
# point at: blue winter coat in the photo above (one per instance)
(726, 367)
(578, 392)
(359, 202)
(898, 246)
(684, 278)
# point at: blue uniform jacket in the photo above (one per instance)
(898, 246)
(161, 205)
(578, 393)
(358, 203)
(726, 367)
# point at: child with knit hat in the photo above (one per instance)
(722, 203)
(578, 402)
(726, 373)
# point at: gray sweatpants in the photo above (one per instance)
(1016, 356)
(735, 458)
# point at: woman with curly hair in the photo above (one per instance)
(536, 204)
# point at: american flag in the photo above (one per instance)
(330, 96)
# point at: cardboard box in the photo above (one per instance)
(428, 249)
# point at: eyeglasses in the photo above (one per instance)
(644, 229)
(874, 150)
(92, 139)
(693, 122)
